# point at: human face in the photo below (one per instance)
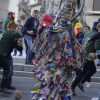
(86, 30)
(98, 29)
(19, 22)
(35, 14)
(80, 30)
(13, 29)
(19, 29)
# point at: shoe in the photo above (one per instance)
(14, 54)
(81, 87)
(11, 88)
(29, 63)
(5, 90)
(98, 64)
(88, 85)
(73, 92)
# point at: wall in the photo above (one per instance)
(35, 8)
(3, 9)
(91, 18)
(13, 6)
(88, 5)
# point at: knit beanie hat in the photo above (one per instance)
(95, 24)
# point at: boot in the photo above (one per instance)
(5, 90)
(81, 87)
(73, 92)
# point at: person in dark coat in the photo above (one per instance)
(30, 31)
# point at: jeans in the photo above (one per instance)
(28, 43)
(31, 55)
(15, 51)
(7, 71)
(85, 74)
(10, 61)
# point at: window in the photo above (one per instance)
(96, 5)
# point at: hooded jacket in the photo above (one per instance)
(47, 19)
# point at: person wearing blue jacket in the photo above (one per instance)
(30, 31)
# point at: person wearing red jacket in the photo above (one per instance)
(44, 24)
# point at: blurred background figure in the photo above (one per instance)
(9, 18)
(19, 29)
(78, 30)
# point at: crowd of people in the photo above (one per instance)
(13, 34)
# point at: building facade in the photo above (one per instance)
(92, 11)
(6, 6)
(35, 5)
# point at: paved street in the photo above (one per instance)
(25, 85)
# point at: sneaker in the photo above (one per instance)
(11, 88)
(73, 92)
(81, 87)
(88, 85)
(5, 90)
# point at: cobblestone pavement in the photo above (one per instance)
(25, 85)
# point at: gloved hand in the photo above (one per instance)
(92, 56)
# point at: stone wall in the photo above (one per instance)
(3, 9)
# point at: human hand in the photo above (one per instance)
(19, 43)
(30, 32)
(92, 56)
(89, 41)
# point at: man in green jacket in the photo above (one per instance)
(6, 38)
(9, 18)
(89, 68)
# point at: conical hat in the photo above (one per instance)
(11, 24)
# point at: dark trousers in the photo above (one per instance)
(7, 71)
(85, 74)
(15, 51)
(79, 72)
(10, 61)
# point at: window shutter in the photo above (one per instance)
(96, 5)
